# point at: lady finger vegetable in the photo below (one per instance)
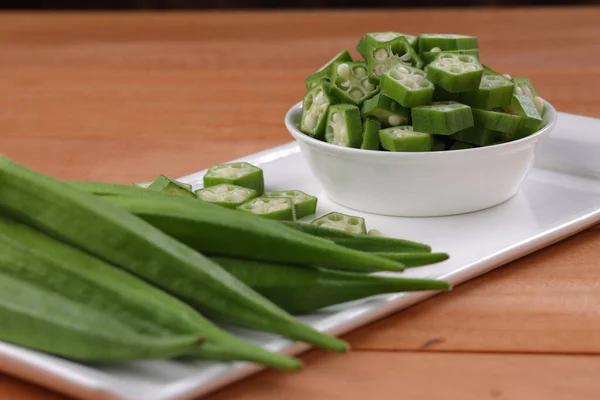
(407, 85)
(415, 259)
(374, 38)
(494, 91)
(241, 174)
(226, 195)
(477, 135)
(348, 223)
(523, 86)
(405, 138)
(40, 260)
(304, 204)
(100, 228)
(344, 126)
(351, 84)
(164, 184)
(383, 55)
(281, 208)
(497, 121)
(455, 72)
(429, 56)
(322, 75)
(442, 118)
(428, 41)
(314, 111)
(388, 111)
(301, 290)
(531, 119)
(371, 129)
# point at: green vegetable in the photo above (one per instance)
(457, 145)
(496, 121)
(280, 208)
(226, 195)
(304, 204)
(375, 38)
(351, 84)
(455, 73)
(415, 259)
(441, 142)
(429, 56)
(388, 111)
(531, 120)
(164, 184)
(348, 223)
(143, 184)
(301, 290)
(476, 135)
(429, 41)
(381, 56)
(440, 94)
(314, 111)
(240, 174)
(405, 138)
(494, 91)
(124, 240)
(524, 87)
(442, 118)
(72, 274)
(407, 85)
(370, 134)
(322, 75)
(344, 126)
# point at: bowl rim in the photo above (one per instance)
(349, 151)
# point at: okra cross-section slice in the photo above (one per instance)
(524, 87)
(407, 85)
(343, 222)
(371, 129)
(241, 174)
(385, 109)
(322, 75)
(496, 120)
(350, 82)
(531, 119)
(455, 73)
(429, 41)
(344, 126)
(165, 184)
(429, 56)
(226, 195)
(442, 117)
(374, 38)
(279, 208)
(477, 135)
(314, 111)
(382, 56)
(494, 91)
(304, 204)
(404, 138)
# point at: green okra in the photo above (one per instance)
(323, 74)
(300, 290)
(455, 73)
(407, 85)
(442, 118)
(165, 184)
(226, 195)
(411, 260)
(458, 145)
(440, 94)
(95, 225)
(374, 38)
(496, 120)
(279, 208)
(304, 204)
(314, 111)
(43, 261)
(350, 82)
(494, 91)
(531, 120)
(429, 41)
(348, 223)
(381, 56)
(429, 56)
(143, 184)
(477, 135)
(386, 110)
(524, 87)
(405, 138)
(441, 142)
(371, 129)
(343, 127)
(240, 174)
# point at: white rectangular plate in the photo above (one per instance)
(560, 197)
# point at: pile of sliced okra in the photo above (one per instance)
(417, 93)
(241, 186)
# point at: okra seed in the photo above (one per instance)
(539, 104)
(436, 50)
(470, 67)
(410, 83)
(320, 97)
(356, 94)
(422, 82)
(455, 69)
(338, 118)
(527, 91)
(310, 122)
(384, 36)
(402, 70)
(381, 54)
(379, 69)
(368, 85)
(394, 120)
(353, 221)
(518, 90)
(345, 84)
(405, 57)
(360, 72)
(507, 76)
(323, 107)
(343, 70)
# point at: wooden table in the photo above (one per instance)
(124, 97)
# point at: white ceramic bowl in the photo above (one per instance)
(420, 184)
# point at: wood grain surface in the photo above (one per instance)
(123, 97)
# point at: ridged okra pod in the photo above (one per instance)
(314, 111)
(407, 85)
(343, 126)
(455, 73)
(442, 117)
(381, 56)
(386, 110)
(350, 82)
(241, 174)
(304, 204)
(443, 41)
(494, 91)
(343, 222)
(279, 208)
(323, 74)
(406, 139)
(371, 128)
(375, 38)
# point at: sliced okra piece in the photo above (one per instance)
(374, 38)
(241, 174)
(143, 184)
(385, 55)
(407, 85)
(442, 117)
(431, 55)
(523, 86)
(344, 126)
(496, 120)
(494, 91)
(167, 185)
(350, 82)
(405, 139)
(440, 94)
(322, 75)
(371, 129)
(343, 222)
(385, 109)
(531, 120)
(226, 195)
(279, 208)
(304, 204)
(458, 145)
(441, 142)
(429, 41)
(314, 111)
(477, 135)
(455, 73)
